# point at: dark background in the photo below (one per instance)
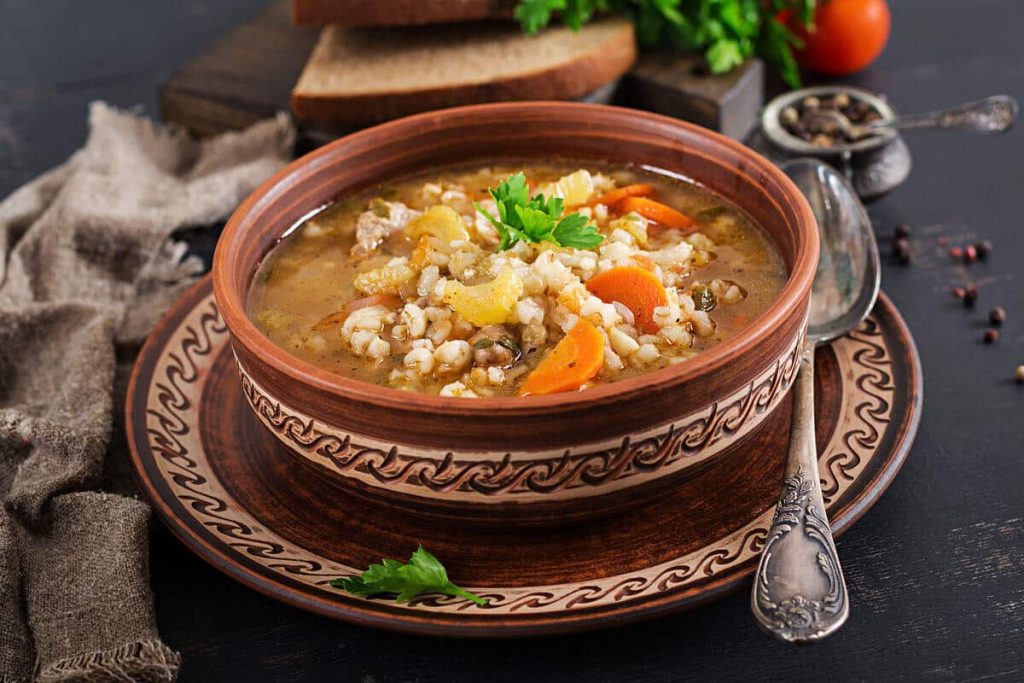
(935, 570)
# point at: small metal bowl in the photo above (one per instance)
(874, 165)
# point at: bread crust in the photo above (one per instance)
(582, 75)
(354, 13)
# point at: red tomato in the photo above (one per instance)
(848, 35)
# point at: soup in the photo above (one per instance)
(517, 279)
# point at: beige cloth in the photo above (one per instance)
(87, 265)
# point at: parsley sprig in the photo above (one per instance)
(726, 31)
(537, 219)
(423, 573)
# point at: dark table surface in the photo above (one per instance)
(935, 570)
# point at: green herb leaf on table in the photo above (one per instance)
(725, 31)
(536, 220)
(423, 573)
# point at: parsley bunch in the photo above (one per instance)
(726, 31)
(538, 219)
(423, 573)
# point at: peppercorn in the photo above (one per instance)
(822, 140)
(901, 248)
(991, 336)
(984, 248)
(997, 315)
(901, 230)
(956, 252)
(942, 241)
(970, 254)
(970, 296)
(959, 292)
(789, 116)
(1019, 374)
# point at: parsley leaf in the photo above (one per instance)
(726, 31)
(536, 220)
(423, 573)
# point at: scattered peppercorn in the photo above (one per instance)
(991, 336)
(997, 315)
(1019, 374)
(970, 297)
(901, 248)
(959, 292)
(902, 230)
(970, 254)
(984, 248)
(956, 252)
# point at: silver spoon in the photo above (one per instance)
(990, 115)
(799, 593)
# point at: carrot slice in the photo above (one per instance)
(615, 196)
(338, 317)
(575, 360)
(636, 288)
(657, 212)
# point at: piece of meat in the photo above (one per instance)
(376, 223)
(494, 346)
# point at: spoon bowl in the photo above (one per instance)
(847, 281)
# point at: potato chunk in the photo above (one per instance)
(439, 221)
(384, 280)
(575, 189)
(489, 303)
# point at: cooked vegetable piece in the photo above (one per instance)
(703, 298)
(574, 361)
(657, 212)
(617, 195)
(575, 189)
(440, 221)
(634, 224)
(638, 289)
(383, 280)
(489, 303)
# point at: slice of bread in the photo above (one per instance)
(396, 12)
(361, 76)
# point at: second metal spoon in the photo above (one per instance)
(799, 592)
(990, 115)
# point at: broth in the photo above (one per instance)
(385, 287)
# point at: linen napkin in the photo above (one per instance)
(87, 265)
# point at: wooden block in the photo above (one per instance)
(677, 85)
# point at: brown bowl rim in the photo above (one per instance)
(232, 308)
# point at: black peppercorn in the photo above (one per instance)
(997, 315)
(902, 230)
(991, 336)
(901, 248)
(984, 248)
(970, 296)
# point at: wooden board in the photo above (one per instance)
(234, 495)
(249, 74)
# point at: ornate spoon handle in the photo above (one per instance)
(990, 115)
(799, 593)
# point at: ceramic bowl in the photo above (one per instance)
(537, 458)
